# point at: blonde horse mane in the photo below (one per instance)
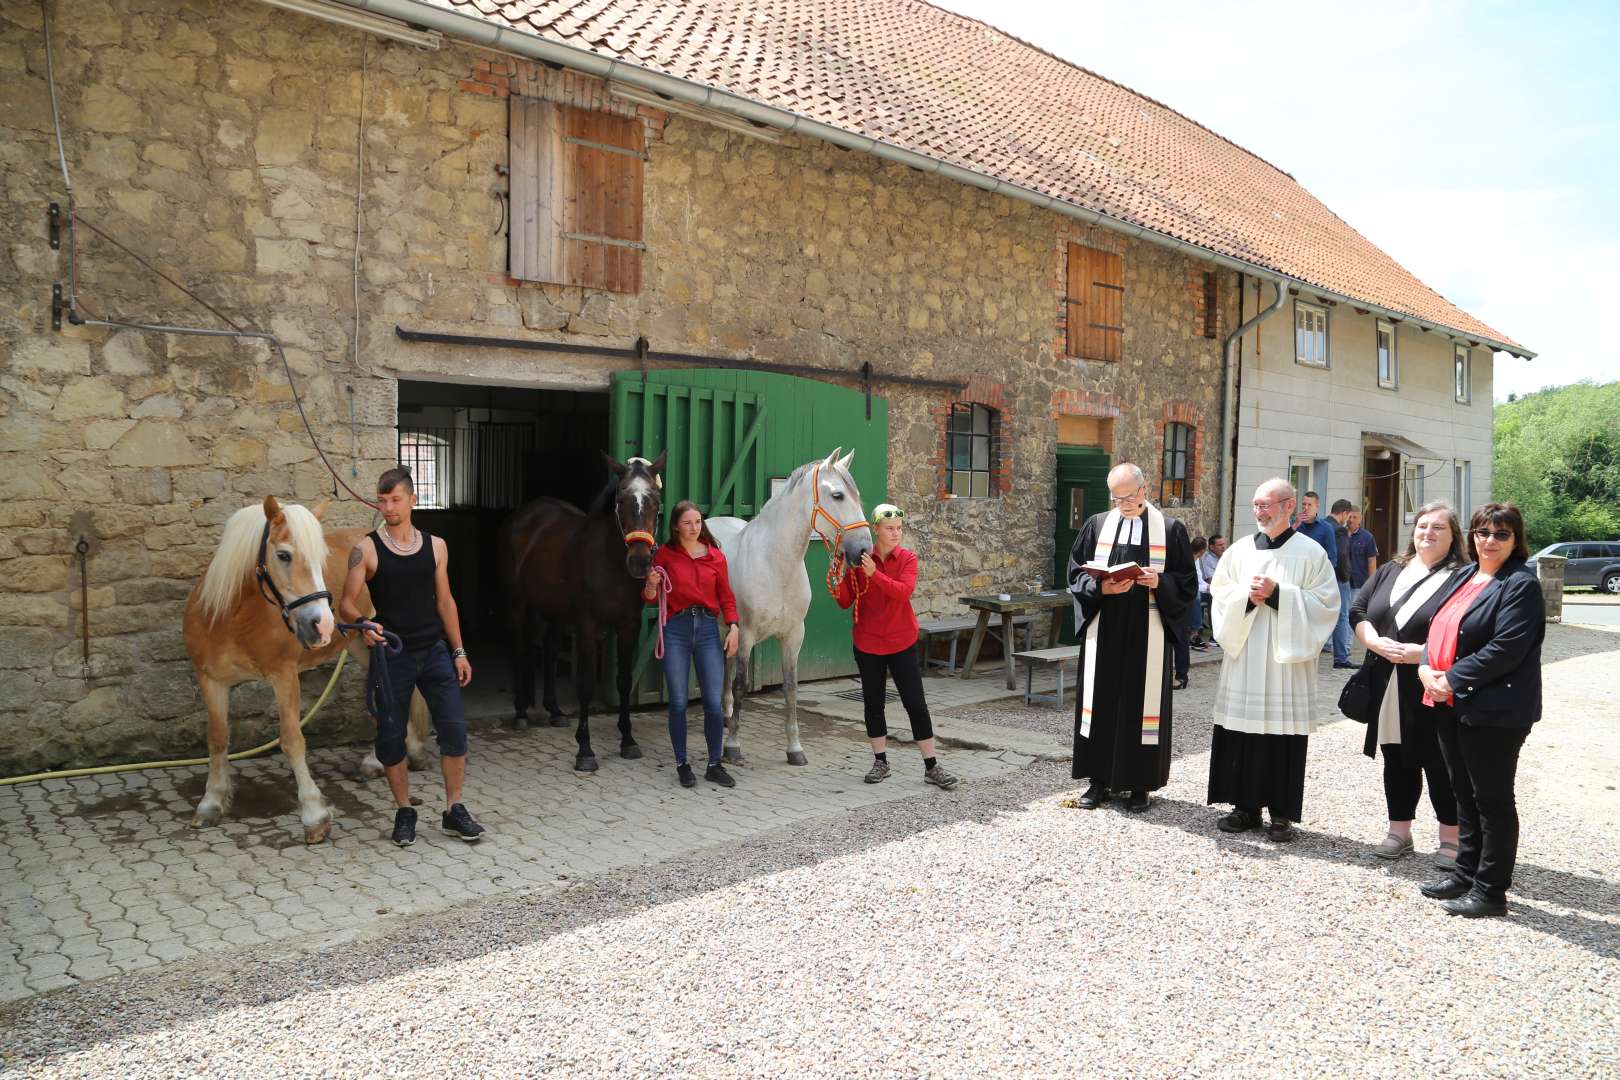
(238, 552)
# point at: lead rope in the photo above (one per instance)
(837, 570)
(664, 589)
(378, 687)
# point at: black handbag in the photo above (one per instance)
(1356, 699)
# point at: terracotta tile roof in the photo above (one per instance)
(955, 89)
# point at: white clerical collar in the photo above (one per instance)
(1130, 531)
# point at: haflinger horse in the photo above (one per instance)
(766, 558)
(584, 570)
(263, 610)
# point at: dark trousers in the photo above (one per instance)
(903, 665)
(692, 639)
(1403, 785)
(1482, 762)
(434, 673)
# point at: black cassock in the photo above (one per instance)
(1114, 755)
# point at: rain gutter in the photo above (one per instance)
(1231, 385)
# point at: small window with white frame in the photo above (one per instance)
(1463, 367)
(1310, 334)
(1411, 490)
(1461, 488)
(1384, 335)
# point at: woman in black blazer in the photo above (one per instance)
(1391, 615)
(1482, 671)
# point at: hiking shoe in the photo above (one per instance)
(940, 778)
(716, 774)
(879, 772)
(457, 822)
(405, 826)
(687, 777)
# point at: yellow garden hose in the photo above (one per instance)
(98, 770)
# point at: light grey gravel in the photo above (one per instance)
(987, 933)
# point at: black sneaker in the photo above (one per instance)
(405, 826)
(457, 822)
(688, 778)
(716, 774)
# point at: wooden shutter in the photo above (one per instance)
(576, 180)
(1096, 303)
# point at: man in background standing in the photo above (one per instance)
(1363, 551)
(1314, 528)
(1341, 571)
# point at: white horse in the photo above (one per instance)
(766, 560)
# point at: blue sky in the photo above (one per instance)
(1478, 143)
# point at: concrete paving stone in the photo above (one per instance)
(136, 963)
(185, 915)
(105, 911)
(82, 947)
(114, 930)
(52, 963)
(46, 983)
(171, 950)
(126, 949)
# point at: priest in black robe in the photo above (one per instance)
(1122, 727)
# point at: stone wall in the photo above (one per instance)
(222, 142)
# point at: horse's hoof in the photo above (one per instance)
(370, 770)
(734, 757)
(630, 753)
(205, 818)
(318, 833)
(416, 764)
(558, 720)
(796, 757)
(520, 723)
(585, 763)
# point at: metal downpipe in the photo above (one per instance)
(1229, 405)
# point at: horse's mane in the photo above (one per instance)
(238, 551)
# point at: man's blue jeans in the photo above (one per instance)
(691, 637)
(1341, 633)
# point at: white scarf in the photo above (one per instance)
(1152, 690)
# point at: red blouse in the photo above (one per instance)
(887, 624)
(1442, 652)
(703, 581)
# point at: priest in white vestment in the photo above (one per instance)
(1274, 602)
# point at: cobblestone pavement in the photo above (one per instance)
(104, 875)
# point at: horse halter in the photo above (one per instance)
(268, 590)
(817, 512)
(640, 534)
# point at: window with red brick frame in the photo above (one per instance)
(1175, 478)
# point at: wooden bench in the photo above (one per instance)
(931, 628)
(1044, 658)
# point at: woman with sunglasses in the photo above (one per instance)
(886, 643)
(1481, 673)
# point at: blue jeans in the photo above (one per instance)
(1341, 633)
(691, 637)
(434, 673)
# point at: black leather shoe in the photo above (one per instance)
(1281, 831)
(1138, 802)
(1447, 888)
(1179, 683)
(1239, 820)
(1476, 905)
(1094, 797)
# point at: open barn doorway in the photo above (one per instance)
(476, 453)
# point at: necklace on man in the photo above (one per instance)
(407, 547)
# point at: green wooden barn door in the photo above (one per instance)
(1082, 490)
(729, 434)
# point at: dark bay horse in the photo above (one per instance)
(585, 570)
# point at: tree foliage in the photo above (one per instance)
(1558, 458)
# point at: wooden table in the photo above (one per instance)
(1009, 606)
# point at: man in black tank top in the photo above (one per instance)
(407, 573)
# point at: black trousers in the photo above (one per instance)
(1403, 786)
(907, 672)
(1482, 762)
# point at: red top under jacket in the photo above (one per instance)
(886, 624)
(1442, 652)
(703, 581)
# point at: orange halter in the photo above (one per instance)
(837, 566)
(645, 537)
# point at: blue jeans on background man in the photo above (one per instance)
(1341, 632)
(693, 636)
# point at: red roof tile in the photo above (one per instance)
(954, 89)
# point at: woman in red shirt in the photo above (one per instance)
(886, 643)
(700, 599)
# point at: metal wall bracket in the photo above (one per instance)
(54, 214)
(58, 305)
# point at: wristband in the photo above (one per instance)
(458, 654)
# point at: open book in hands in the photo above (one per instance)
(1128, 571)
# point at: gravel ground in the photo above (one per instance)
(989, 931)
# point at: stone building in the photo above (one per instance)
(1024, 282)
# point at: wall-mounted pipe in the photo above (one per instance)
(1226, 471)
(480, 31)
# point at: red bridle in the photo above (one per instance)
(837, 567)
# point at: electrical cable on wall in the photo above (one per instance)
(236, 329)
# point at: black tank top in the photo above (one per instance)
(402, 590)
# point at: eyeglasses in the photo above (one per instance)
(1121, 500)
(1269, 505)
(1501, 536)
(889, 515)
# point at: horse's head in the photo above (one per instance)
(292, 556)
(637, 504)
(838, 498)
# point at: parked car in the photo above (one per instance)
(1592, 563)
